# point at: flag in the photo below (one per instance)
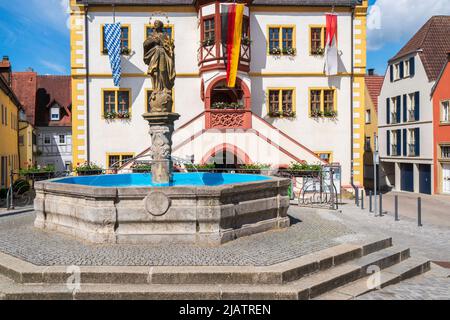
(331, 52)
(112, 41)
(232, 17)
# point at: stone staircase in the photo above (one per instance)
(341, 272)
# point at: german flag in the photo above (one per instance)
(232, 16)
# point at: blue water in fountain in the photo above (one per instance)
(179, 179)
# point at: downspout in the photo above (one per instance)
(352, 78)
(86, 36)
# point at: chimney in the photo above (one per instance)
(5, 69)
(371, 72)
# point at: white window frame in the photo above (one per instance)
(406, 68)
(445, 116)
(368, 116)
(411, 106)
(59, 139)
(394, 143)
(52, 113)
(50, 140)
(396, 71)
(411, 142)
(394, 110)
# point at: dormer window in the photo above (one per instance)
(55, 113)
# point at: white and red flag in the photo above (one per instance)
(331, 51)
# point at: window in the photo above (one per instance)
(209, 30)
(245, 28)
(322, 103)
(62, 139)
(116, 103)
(412, 151)
(149, 94)
(368, 117)
(317, 40)
(368, 144)
(21, 140)
(406, 68)
(324, 156)
(410, 105)
(395, 110)
(167, 29)
(47, 139)
(394, 143)
(281, 102)
(55, 114)
(397, 71)
(3, 171)
(117, 160)
(124, 40)
(445, 152)
(68, 166)
(445, 108)
(282, 40)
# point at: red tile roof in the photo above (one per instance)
(374, 85)
(53, 89)
(433, 41)
(24, 85)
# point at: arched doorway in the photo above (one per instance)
(226, 156)
(227, 107)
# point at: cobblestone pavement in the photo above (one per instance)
(430, 286)
(19, 238)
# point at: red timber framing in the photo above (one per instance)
(228, 119)
(211, 57)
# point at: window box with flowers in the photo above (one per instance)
(208, 42)
(316, 114)
(246, 41)
(88, 169)
(124, 51)
(275, 51)
(330, 114)
(142, 168)
(290, 51)
(227, 106)
(318, 52)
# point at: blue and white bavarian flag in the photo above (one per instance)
(112, 41)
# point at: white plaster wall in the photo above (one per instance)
(132, 135)
(303, 61)
(405, 86)
(186, 33)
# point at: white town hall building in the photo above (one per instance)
(283, 109)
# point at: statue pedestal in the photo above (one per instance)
(161, 130)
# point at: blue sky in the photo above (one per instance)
(34, 33)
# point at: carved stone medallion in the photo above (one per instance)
(157, 203)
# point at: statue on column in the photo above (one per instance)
(159, 55)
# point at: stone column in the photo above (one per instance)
(161, 130)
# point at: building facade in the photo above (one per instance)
(284, 108)
(441, 113)
(47, 127)
(9, 126)
(406, 112)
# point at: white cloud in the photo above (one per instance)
(400, 19)
(54, 66)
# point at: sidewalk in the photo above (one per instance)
(430, 241)
(435, 209)
(4, 212)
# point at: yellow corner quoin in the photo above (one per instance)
(359, 95)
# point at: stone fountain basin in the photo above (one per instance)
(203, 214)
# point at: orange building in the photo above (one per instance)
(441, 114)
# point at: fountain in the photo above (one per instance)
(204, 208)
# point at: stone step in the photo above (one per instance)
(277, 274)
(402, 271)
(322, 282)
(351, 272)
